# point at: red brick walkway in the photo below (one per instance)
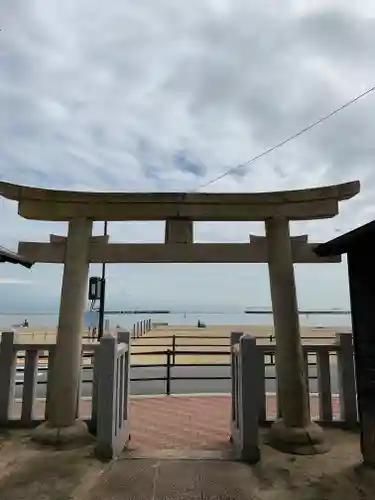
(190, 422)
(181, 422)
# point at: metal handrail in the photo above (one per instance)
(170, 364)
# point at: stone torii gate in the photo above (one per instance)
(179, 210)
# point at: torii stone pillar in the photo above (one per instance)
(62, 424)
(294, 432)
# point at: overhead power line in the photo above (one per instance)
(285, 141)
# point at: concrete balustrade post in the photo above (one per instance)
(7, 375)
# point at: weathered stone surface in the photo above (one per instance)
(76, 434)
(296, 440)
(48, 204)
(35, 473)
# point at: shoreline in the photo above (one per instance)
(189, 344)
(190, 335)
(168, 327)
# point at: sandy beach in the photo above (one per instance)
(44, 334)
(212, 342)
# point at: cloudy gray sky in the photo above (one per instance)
(163, 95)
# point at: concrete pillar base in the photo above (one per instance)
(76, 434)
(309, 440)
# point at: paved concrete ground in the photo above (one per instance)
(176, 480)
(35, 473)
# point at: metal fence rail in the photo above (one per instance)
(318, 354)
(171, 362)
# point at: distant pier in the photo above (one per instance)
(302, 311)
(140, 311)
(247, 311)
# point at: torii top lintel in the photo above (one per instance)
(303, 204)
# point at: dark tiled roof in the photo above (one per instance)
(360, 237)
(14, 258)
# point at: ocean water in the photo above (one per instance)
(47, 320)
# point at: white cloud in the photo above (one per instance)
(163, 95)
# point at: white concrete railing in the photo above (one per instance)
(245, 365)
(249, 387)
(108, 418)
(111, 378)
(10, 353)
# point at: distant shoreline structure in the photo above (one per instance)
(246, 311)
(255, 311)
(301, 311)
(143, 311)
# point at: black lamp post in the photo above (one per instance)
(102, 294)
